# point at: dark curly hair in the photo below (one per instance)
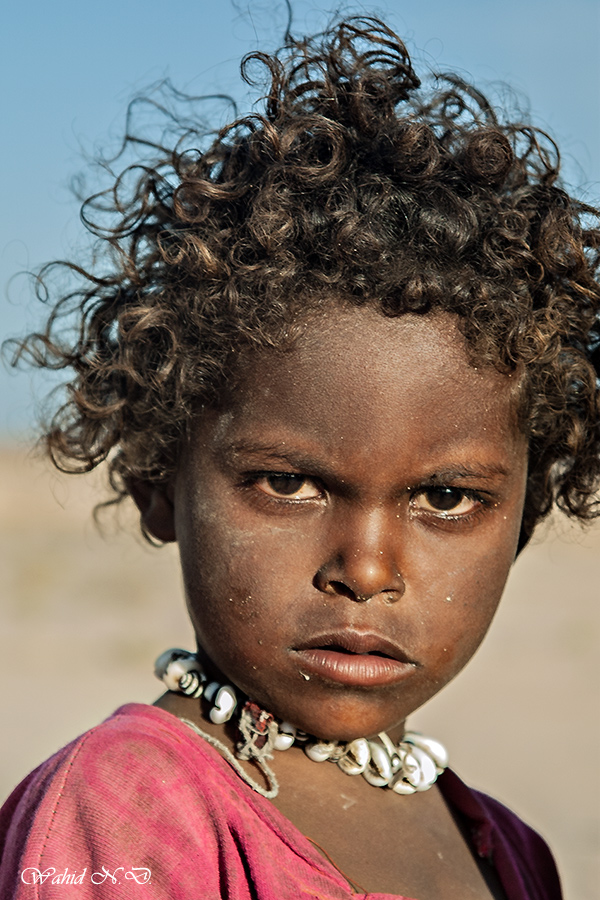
(352, 185)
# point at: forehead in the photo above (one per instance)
(353, 374)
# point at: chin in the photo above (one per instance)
(343, 719)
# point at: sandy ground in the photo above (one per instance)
(83, 617)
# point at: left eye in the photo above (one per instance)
(288, 485)
(445, 500)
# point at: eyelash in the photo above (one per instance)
(481, 504)
(252, 479)
(480, 500)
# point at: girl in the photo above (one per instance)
(346, 358)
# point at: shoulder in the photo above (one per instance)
(134, 791)
(143, 797)
(519, 854)
(133, 756)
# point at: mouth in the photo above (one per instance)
(354, 659)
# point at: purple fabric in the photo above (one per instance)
(522, 859)
(140, 807)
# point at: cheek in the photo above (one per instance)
(235, 572)
(460, 609)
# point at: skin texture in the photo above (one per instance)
(382, 421)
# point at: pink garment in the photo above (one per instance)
(140, 807)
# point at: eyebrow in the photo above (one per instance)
(278, 452)
(298, 459)
(479, 470)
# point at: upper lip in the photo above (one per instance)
(360, 642)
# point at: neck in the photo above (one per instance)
(405, 766)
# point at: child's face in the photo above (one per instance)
(347, 523)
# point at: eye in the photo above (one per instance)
(446, 500)
(288, 485)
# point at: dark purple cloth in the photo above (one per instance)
(521, 858)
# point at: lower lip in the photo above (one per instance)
(353, 669)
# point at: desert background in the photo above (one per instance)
(83, 616)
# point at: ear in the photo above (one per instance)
(155, 503)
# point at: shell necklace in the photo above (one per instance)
(411, 765)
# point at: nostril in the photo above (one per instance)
(338, 587)
(363, 587)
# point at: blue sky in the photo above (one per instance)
(69, 68)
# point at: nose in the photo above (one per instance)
(364, 561)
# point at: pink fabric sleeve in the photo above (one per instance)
(94, 815)
(141, 808)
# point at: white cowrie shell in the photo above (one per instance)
(411, 769)
(320, 751)
(427, 769)
(437, 751)
(225, 703)
(283, 741)
(356, 757)
(379, 770)
(176, 669)
(399, 786)
(160, 666)
(286, 736)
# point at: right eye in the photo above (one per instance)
(288, 486)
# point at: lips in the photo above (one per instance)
(354, 659)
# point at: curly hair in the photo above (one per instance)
(356, 184)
